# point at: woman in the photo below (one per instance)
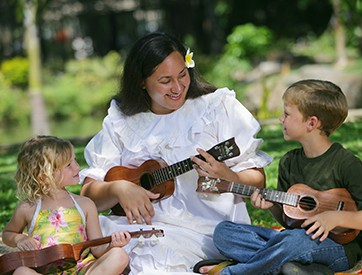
(164, 111)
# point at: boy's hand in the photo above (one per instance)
(258, 201)
(320, 224)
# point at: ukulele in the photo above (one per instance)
(56, 258)
(157, 176)
(299, 202)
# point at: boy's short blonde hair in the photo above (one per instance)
(319, 98)
(38, 160)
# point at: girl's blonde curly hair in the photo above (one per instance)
(38, 160)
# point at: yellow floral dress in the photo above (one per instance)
(64, 225)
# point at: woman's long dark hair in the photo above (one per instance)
(145, 55)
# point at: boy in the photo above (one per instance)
(313, 109)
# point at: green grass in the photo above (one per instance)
(349, 135)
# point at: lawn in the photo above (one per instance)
(349, 135)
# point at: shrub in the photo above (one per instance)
(16, 71)
(14, 106)
(248, 42)
(245, 44)
(84, 89)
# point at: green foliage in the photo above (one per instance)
(16, 71)
(248, 42)
(355, 67)
(104, 68)
(84, 89)
(350, 15)
(245, 44)
(8, 200)
(227, 71)
(14, 107)
(320, 48)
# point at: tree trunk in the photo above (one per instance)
(340, 35)
(39, 120)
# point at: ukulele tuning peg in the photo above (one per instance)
(154, 239)
(141, 241)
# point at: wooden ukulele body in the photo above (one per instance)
(56, 258)
(159, 177)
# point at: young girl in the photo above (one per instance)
(52, 215)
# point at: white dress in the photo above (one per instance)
(187, 217)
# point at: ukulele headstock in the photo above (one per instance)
(152, 234)
(149, 233)
(224, 150)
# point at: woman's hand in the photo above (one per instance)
(135, 201)
(212, 168)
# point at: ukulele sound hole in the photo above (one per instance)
(307, 203)
(147, 181)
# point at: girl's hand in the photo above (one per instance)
(320, 224)
(120, 239)
(26, 243)
(259, 202)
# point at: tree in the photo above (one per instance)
(340, 33)
(39, 119)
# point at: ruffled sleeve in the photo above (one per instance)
(232, 119)
(105, 148)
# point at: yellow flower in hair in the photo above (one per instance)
(189, 62)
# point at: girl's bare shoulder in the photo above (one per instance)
(25, 207)
(24, 211)
(83, 201)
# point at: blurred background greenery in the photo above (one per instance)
(60, 60)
